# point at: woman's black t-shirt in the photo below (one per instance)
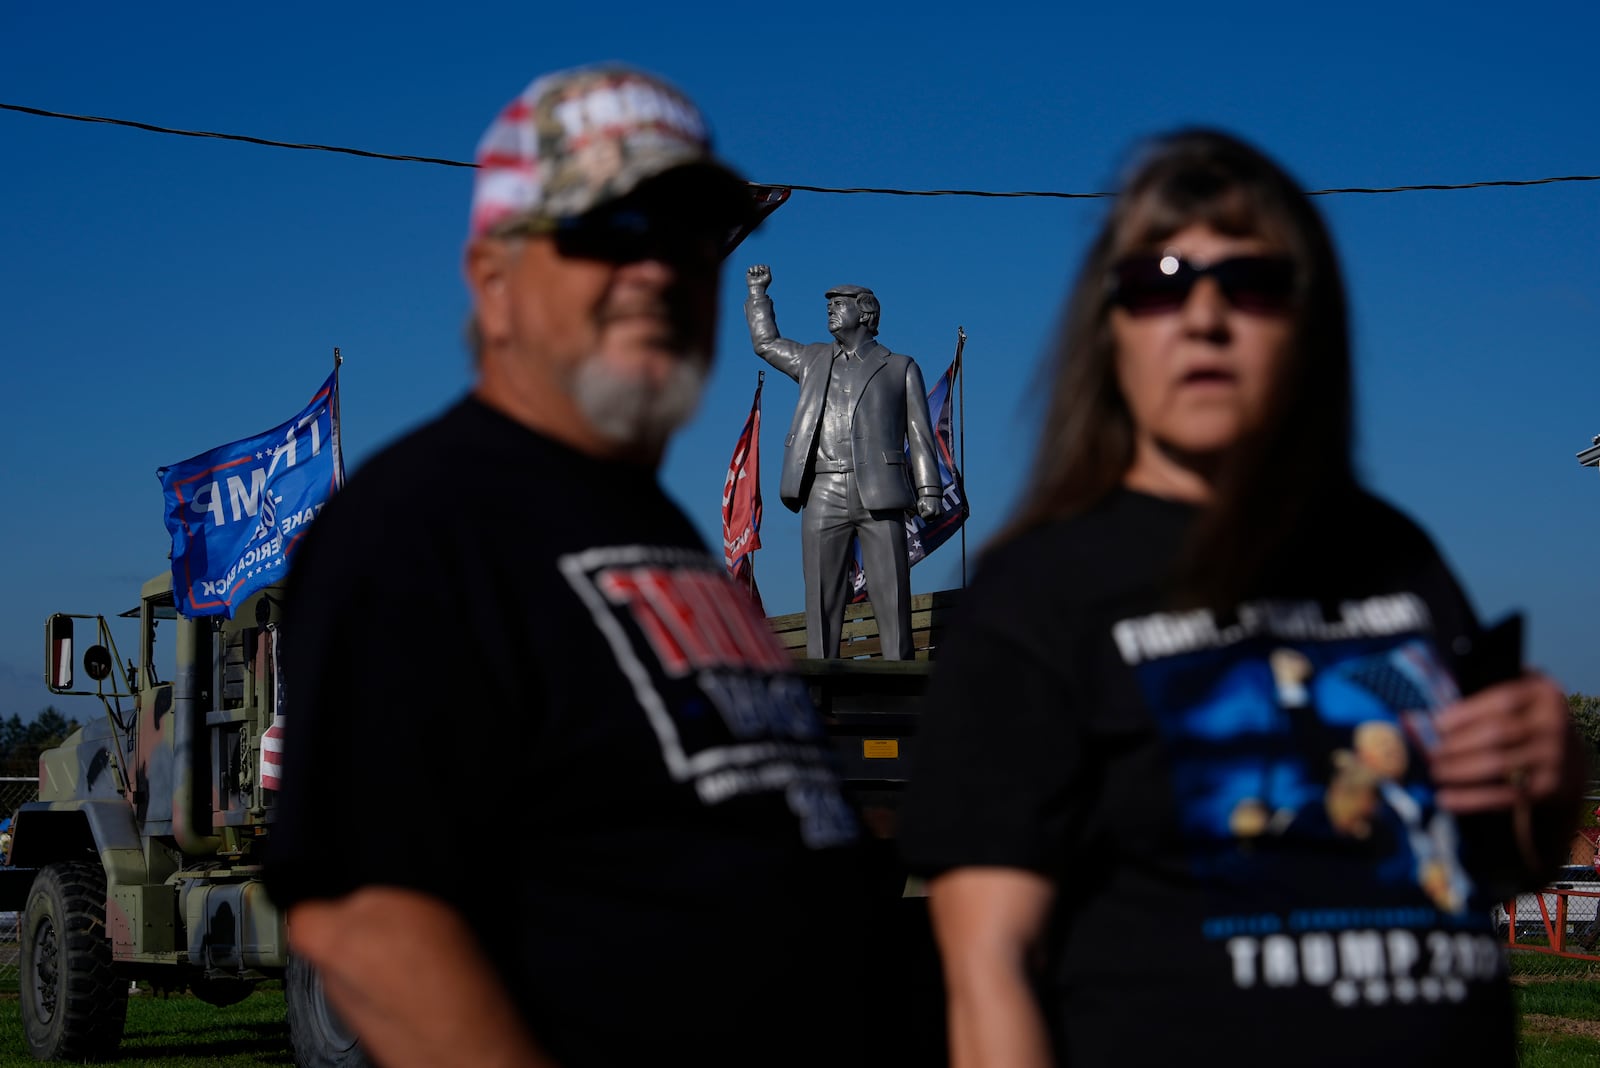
(1234, 807)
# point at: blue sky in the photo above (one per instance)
(162, 295)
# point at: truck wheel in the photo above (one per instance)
(319, 1037)
(73, 1005)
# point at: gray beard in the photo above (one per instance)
(630, 412)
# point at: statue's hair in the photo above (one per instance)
(866, 300)
(1302, 452)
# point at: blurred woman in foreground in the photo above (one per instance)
(1196, 774)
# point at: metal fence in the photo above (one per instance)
(1562, 920)
(16, 791)
(13, 792)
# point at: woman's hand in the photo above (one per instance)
(1510, 743)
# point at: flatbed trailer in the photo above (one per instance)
(870, 708)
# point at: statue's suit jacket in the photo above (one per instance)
(890, 413)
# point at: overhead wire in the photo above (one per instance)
(153, 128)
(866, 190)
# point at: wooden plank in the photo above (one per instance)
(859, 635)
(920, 620)
(920, 602)
(792, 621)
(872, 645)
(862, 669)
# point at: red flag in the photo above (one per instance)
(741, 502)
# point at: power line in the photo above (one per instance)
(1503, 182)
(152, 128)
(1091, 196)
(868, 190)
(879, 191)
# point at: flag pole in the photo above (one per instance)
(961, 440)
(333, 418)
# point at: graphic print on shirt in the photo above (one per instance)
(716, 686)
(1298, 751)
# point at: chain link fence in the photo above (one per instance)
(1563, 919)
(14, 791)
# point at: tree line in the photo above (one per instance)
(21, 743)
(1586, 714)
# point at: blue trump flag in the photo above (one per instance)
(237, 512)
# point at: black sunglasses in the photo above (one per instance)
(685, 231)
(1159, 284)
(627, 234)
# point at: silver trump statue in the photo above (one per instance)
(859, 455)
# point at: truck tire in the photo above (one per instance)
(319, 1037)
(73, 1004)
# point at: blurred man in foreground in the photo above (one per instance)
(503, 640)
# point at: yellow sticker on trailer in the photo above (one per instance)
(880, 748)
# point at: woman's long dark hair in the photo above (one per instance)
(1274, 485)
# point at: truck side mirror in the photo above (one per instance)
(58, 652)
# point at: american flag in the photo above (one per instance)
(272, 756)
(272, 740)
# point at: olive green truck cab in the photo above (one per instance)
(141, 859)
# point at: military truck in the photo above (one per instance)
(141, 859)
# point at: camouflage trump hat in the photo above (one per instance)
(576, 139)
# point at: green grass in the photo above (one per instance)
(1558, 1051)
(184, 1032)
(1557, 986)
(180, 1032)
(1574, 1000)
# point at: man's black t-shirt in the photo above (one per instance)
(517, 681)
(1234, 807)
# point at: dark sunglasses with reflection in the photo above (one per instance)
(1161, 284)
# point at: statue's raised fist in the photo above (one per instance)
(759, 277)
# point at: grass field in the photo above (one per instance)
(1559, 1001)
(181, 1032)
